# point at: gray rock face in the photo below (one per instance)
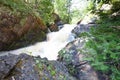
(25, 67)
(72, 57)
(80, 28)
(7, 64)
(13, 67)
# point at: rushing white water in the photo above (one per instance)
(50, 48)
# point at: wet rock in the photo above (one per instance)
(25, 67)
(52, 27)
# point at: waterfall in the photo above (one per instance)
(49, 48)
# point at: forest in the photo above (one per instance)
(59, 39)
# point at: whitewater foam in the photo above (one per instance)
(50, 48)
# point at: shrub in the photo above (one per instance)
(104, 51)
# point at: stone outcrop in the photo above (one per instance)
(25, 67)
(52, 27)
(74, 61)
(73, 56)
(18, 31)
(80, 28)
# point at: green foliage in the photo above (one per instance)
(104, 1)
(45, 65)
(65, 55)
(62, 7)
(91, 5)
(16, 6)
(51, 70)
(45, 8)
(116, 5)
(103, 47)
(38, 8)
(95, 4)
(104, 50)
(78, 15)
(67, 58)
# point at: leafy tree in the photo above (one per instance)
(45, 9)
(62, 7)
(116, 6)
(38, 8)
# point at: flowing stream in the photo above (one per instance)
(49, 48)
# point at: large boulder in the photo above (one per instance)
(73, 55)
(19, 30)
(73, 58)
(52, 27)
(81, 28)
(25, 67)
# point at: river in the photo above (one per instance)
(49, 48)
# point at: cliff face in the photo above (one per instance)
(16, 28)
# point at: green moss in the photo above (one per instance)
(51, 69)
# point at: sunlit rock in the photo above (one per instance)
(106, 7)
